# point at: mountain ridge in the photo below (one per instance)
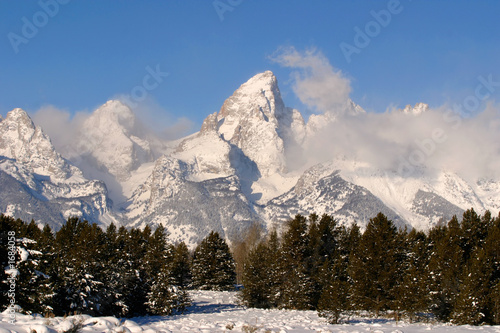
(244, 166)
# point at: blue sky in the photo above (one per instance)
(91, 51)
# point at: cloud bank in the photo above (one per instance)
(64, 127)
(316, 83)
(410, 144)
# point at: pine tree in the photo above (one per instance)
(334, 301)
(78, 268)
(181, 266)
(471, 302)
(158, 252)
(213, 266)
(323, 249)
(164, 297)
(276, 275)
(495, 304)
(297, 289)
(6, 232)
(412, 291)
(374, 266)
(492, 250)
(446, 264)
(135, 288)
(33, 288)
(258, 279)
(119, 277)
(477, 300)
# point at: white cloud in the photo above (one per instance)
(438, 139)
(392, 140)
(62, 128)
(316, 83)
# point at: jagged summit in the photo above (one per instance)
(24, 142)
(258, 98)
(261, 82)
(114, 113)
(416, 110)
(18, 115)
(113, 138)
(246, 164)
(37, 182)
(256, 120)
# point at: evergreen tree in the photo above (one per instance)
(261, 275)
(495, 304)
(334, 301)
(412, 291)
(181, 266)
(470, 306)
(6, 233)
(276, 275)
(78, 269)
(213, 266)
(118, 273)
(492, 249)
(477, 302)
(297, 289)
(323, 248)
(135, 288)
(165, 297)
(33, 287)
(374, 266)
(446, 264)
(158, 252)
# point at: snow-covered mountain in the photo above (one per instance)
(244, 166)
(38, 183)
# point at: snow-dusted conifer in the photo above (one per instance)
(164, 297)
(297, 289)
(446, 264)
(213, 265)
(373, 268)
(256, 276)
(180, 268)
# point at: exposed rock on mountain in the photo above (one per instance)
(244, 166)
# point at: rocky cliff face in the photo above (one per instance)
(38, 183)
(243, 166)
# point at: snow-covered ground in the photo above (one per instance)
(219, 312)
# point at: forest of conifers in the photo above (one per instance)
(449, 273)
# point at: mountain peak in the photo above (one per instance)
(417, 109)
(259, 99)
(18, 124)
(260, 82)
(20, 116)
(114, 138)
(256, 120)
(21, 140)
(114, 113)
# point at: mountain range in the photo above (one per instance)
(247, 164)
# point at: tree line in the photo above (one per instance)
(451, 271)
(119, 272)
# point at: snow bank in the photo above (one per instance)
(219, 312)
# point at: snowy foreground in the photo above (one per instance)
(219, 312)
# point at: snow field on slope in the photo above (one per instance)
(219, 312)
